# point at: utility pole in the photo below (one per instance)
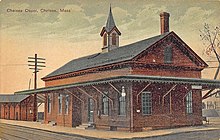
(35, 62)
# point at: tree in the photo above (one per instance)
(211, 40)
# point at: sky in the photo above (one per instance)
(62, 36)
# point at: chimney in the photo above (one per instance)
(164, 22)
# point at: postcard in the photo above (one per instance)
(96, 69)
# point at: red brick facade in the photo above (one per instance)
(167, 110)
(166, 115)
(87, 91)
(163, 116)
(62, 118)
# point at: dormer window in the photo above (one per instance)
(105, 40)
(113, 39)
(168, 54)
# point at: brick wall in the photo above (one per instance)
(169, 73)
(2, 111)
(12, 111)
(79, 108)
(156, 56)
(62, 118)
(17, 112)
(88, 77)
(113, 119)
(165, 116)
(181, 66)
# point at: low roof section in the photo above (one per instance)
(12, 98)
(205, 83)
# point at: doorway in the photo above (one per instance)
(16, 116)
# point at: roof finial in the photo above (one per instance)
(110, 21)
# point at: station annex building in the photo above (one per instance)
(16, 107)
(149, 84)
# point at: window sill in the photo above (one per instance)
(168, 62)
(122, 115)
(146, 114)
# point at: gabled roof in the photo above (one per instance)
(119, 54)
(12, 98)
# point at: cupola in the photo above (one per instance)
(110, 34)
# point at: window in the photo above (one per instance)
(189, 103)
(146, 103)
(48, 104)
(67, 104)
(113, 39)
(203, 105)
(105, 104)
(122, 105)
(168, 54)
(210, 105)
(60, 103)
(105, 40)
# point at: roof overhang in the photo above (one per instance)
(205, 83)
(109, 31)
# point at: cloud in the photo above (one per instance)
(194, 17)
(121, 16)
(134, 18)
(143, 21)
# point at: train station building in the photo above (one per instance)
(149, 84)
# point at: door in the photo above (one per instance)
(16, 116)
(90, 110)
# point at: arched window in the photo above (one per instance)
(60, 103)
(105, 40)
(122, 105)
(122, 102)
(48, 104)
(105, 105)
(113, 39)
(67, 104)
(189, 103)
(168, 54)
